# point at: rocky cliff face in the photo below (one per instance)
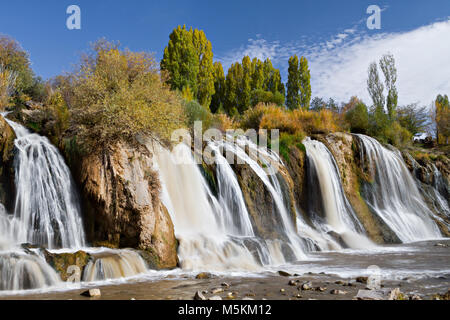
(120, 194)
(7, 137)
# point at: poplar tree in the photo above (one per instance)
(218, 99)
(293, 84)
(188, 60)
(305, 83)
(387, 65)
(246, 89)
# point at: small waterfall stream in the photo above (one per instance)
(47, 211)
(339, 214)
(393, 195)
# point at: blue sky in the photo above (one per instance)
(331, 34)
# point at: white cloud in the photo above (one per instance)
(339, 65)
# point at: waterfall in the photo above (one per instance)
(114, 264)
(20, 271)
(340, 217)
(196, 214)
(393, 195)
(235, 218)
(46, 210)
(266, 173)
(216, 233)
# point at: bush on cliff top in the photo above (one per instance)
(116, 94)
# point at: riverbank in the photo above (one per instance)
(418, 270)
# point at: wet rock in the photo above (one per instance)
(7, 186)
(203, 275)
(369, 295)
(306, 286)
(68, 265)
(338, 292)
(231, 296)
(216, 290)
(415, 297)
(225, 285)
(282, 290)
(362, 280)
(445, 296)
(382, 294)
(341, 282)
(293, 282)
(284, 273)
(298, 296)
(320, 289)
(92, 293)
(215, 298)
(395, 294)
(199, 296)
(247, 298)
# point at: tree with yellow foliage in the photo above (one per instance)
(116, 94)
(442, 119)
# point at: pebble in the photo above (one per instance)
(215, 298)
(216, 290)
(199, 296)
(91, 293)
(306, 286)
(203, 275)
(338, 292)
(224, 284)
(284, 273)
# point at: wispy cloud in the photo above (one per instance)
(339, 64)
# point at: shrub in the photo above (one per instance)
(196, 112)
(115, 94)
(397, 135)
(358, 118)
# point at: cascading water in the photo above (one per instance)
(339, 215)
(204, 242)
(266, 173)
(113, 264)
(47, 214)
(216, 232)
(46, 210)
(393, 195)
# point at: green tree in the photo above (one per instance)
(257, 74)
(218, 99)
(414, 118)
(181, 60)
(442, 118)
(375, 87)
(205, 78)
(188, 60)
(358, 118)
(233, 86)
(387, 65)
(305, 83)
(246, 89)
(318, 104)
(293, 84)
